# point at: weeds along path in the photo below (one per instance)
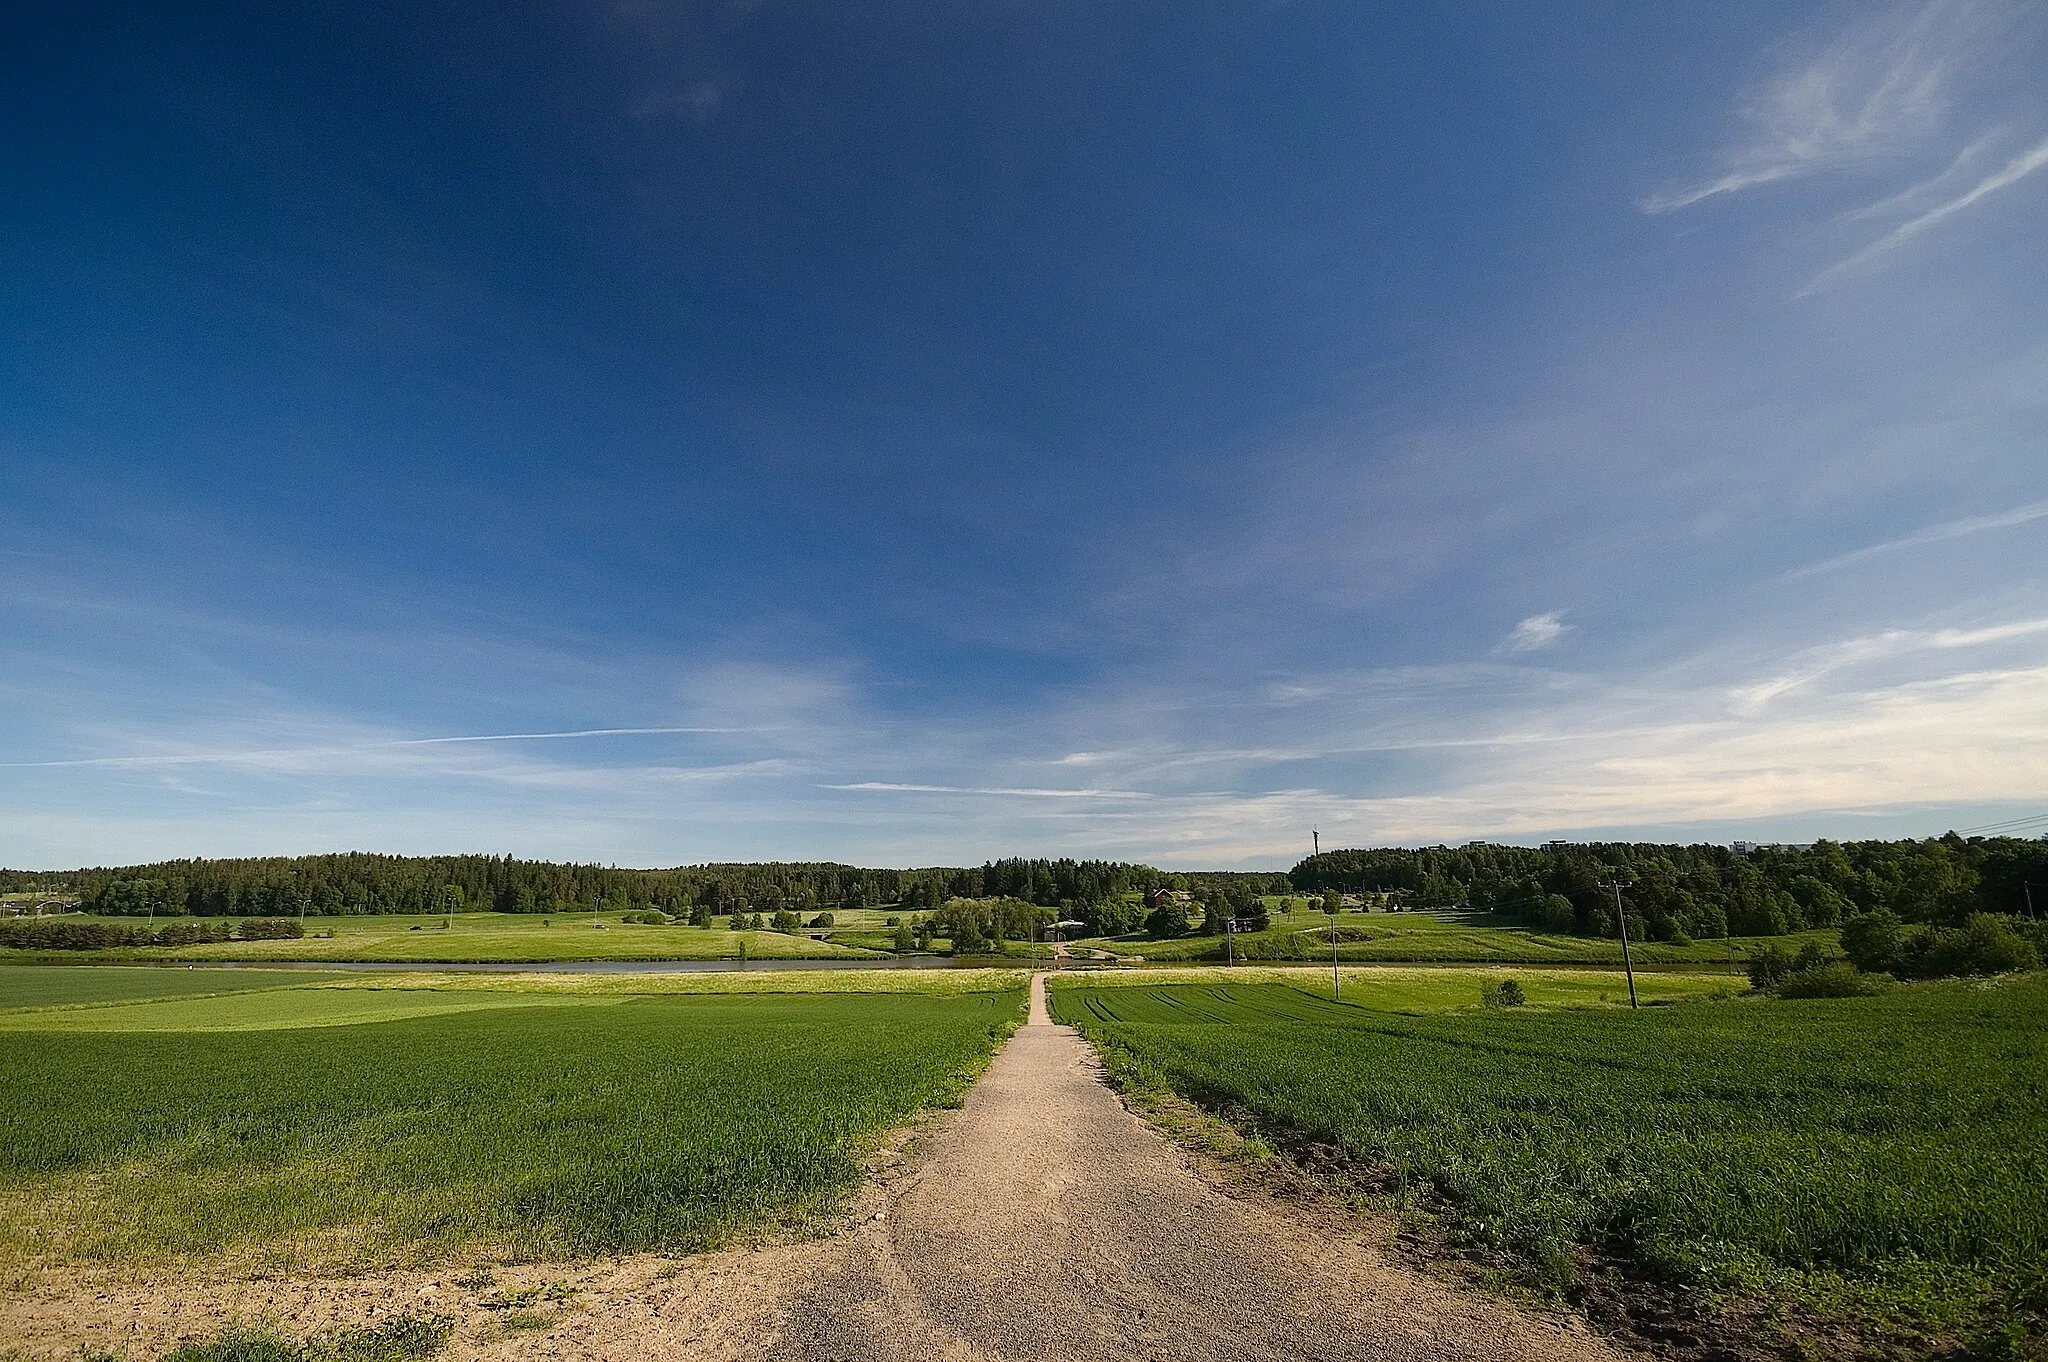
(1046, 1222)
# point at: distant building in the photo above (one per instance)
(1743, 848)
(1554, 847)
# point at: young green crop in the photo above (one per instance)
(66, 985)
(595, 1125)
(1450, 937)
(1889, 1148)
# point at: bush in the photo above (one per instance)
(271, 929)
(1837, 979)
(1984, 944)
(822, 920)
(1506, 993)
(1768, 967)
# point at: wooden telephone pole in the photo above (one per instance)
(1621, 918)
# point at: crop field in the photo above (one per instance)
(1880, 1156)
(1421, 989)
(1451, 937)
(381, 1119)
(61, 985)
(512, 938)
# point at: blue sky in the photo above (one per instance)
(909, 433)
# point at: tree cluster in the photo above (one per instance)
(72, 934)
(1676, 893)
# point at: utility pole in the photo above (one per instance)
(2027, 888)
(1336, 982)
(1230, 940)
(1316, 840)
(1621, 918)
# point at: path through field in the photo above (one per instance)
(1042, 1222)
(1047, 1222)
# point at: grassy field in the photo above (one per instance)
(1422, 989)
(1451, 937)
(523, 938)
(385, 1118)
(59, 985)
(1881, 1158)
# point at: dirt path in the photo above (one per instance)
(1040, 1223)
(1047, 1222)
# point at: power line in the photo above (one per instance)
(2010, 823)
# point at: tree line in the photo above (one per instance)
(367, 883)
(1677, 893)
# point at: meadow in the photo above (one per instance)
(1879, 1158)
(379, 1119)
(484, 938)
(1422, 989)
(1450, 937)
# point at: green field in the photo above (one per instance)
(386, 1118)
(1419, 938)
(59, 985)
(477, 938)
(1883, 1157)
(1424, 988)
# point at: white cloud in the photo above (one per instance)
(1537, 632)
(1816, 663)
(1875, 90)
(1933, 534)
(2015, 170)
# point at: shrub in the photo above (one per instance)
(271, 929)
(1768, 966)
(1506, 993)
(1984, 944)
(1836, 979)
(822, 920)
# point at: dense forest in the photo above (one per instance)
(359, 882)
(1670, 892)
(1675, 892)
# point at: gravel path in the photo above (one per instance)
(1047, 1222)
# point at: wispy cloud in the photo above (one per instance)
(1819, 662)
(271, 755)
(1021, 792)
(1933, 534)
(1913, 193)
(1537, 632)
(2015, 170)
(1871, 92)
